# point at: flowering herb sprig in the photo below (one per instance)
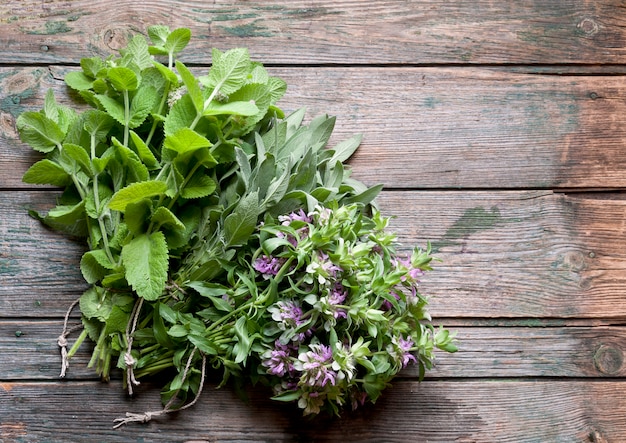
(220, 231)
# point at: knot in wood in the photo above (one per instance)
(588, 26)
(608, 359)
(115, 38)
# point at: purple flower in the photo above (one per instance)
(300, 216)
(337, 297)
(278, 361)
(316, 366)
(268, 266)
(412, 274)
(288, 314)
(404, 346)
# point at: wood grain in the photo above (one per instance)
(455, 128)
(288, 31)
(434, 411)
(504, 254)
(31, 353)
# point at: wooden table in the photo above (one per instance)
(499, 130)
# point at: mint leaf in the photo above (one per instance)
(114, 108)
(158, 34)
(177, 40)
(164, 217)
(94, 265)
(228, 71)
(137, 49)
(144, 152)
(78, 154)
(78, 80)
(146, 261)
(186, 140)
(40, 132)
(123, 79)
(136, 192)
(199, 186)
(141, 105)
(97, 124)
(191, 83)
(243, 108)
(47, 172)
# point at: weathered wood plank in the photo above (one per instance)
(423, 127)
(30, 352)
(517, 254)
(504, 254)
(287, 31)
(509, 411)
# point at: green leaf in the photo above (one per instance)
(240, 224)
(244, 342)
(365, 197)
(97, 124)
(47, 172)
(114, 108)
(94, 265)
(79, 155)
(232, 108)
(177, 40)
(158, 326)
(191, 83)
(123, 79)
(182, 115)
(78, 80)
(136, 192)
(68, 218)
(50, 107)
(92, 66)
(229, 70)
(288, 396)
(158, 34)
(40, 132)
(141, 105)
(137, 215)
(136, 171)
(117, 321)
(137, 48)
(344, 150)
(203, 343)
(146, 261)
(95, 304)
(199, 186)
(164, 217)
(186, 140)
(144, 152)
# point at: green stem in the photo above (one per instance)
(79, 341)
(126, 118)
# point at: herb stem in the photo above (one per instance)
(79, 341)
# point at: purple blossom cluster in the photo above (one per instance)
(268, 266)
(402, 350)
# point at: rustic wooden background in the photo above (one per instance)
(499, 129)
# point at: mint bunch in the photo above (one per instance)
(220, 231)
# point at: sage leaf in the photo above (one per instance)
(240, 224)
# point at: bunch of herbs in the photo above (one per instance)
(220, 231)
